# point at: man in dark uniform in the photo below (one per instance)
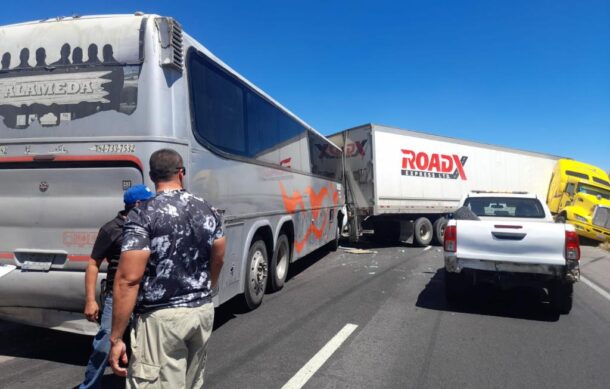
(107, 246)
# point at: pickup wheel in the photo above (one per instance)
(422, 231)
(454, 287)
(561, 297)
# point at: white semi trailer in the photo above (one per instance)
(403, 184)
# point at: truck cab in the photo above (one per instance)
(579, 194)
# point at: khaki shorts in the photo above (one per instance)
(169, 348)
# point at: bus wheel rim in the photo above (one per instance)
(258, 273)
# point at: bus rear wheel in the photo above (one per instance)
(256, 275)
(279, 264)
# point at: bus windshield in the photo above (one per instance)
(53, 73)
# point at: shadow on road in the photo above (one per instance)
(306, 262)
(24, 341)
(519, 303)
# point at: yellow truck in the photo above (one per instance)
(579, 194)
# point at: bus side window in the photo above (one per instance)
(570, 189)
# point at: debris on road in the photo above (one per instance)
(351, 250)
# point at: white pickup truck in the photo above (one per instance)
(510, 239)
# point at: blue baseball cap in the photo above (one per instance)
(137, 193)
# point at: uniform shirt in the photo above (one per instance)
(178, 229)
(108, 246)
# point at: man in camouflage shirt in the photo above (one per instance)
(172, 253)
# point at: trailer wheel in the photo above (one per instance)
(423, 231)
(280, 262)
(256, 274)
(439, 230)
(561, 297)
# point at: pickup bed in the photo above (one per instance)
(510, 239)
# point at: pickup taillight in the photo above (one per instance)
(450, 243)
(572, 246)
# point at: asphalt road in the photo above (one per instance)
(402, 333)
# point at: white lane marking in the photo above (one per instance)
(310, 368)
(5, 359)
(427, 248)
(596, 288)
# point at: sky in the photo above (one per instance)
(531, 75)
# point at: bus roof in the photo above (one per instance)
(29, 44)
(75, 17)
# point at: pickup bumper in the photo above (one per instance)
(569, 272)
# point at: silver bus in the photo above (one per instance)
(84, 101)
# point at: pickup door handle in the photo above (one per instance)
(508, 235)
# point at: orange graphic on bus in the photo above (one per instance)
(295, 202)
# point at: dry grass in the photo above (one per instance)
(605, 246)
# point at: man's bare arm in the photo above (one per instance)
(92, 308)
(132, 265)
(217, 259)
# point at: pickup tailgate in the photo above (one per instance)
(511, 241)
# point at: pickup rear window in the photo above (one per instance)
(505, 207)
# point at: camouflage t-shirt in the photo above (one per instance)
(179, 230)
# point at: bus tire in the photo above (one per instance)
(561, 218)
(439, 230)
(256, 274)
(423, 231)
(280, 262)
